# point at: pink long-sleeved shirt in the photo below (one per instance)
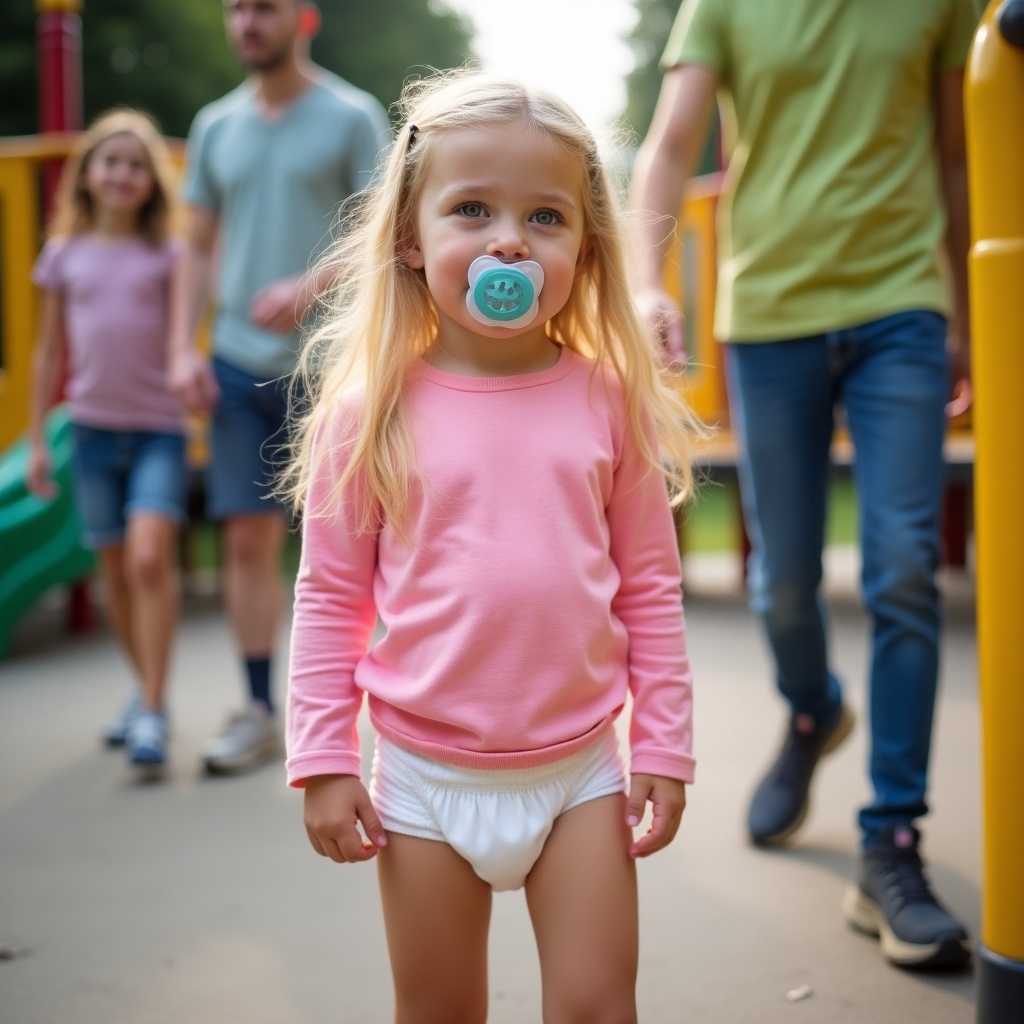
(541, 584)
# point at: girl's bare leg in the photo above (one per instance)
(153, 585)
(583, 902)
(436, 915)
(118, 605)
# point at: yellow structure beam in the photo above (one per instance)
(994, 107)
(58, 6)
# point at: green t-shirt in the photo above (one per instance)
(276, 186)
(831, 213)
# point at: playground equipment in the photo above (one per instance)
(39, 539)
(994, 105)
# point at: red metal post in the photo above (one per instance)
(59, 45)
(59, 52)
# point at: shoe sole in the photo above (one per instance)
(842, 730)
(240, 765)
(862, 913)
(148, 771)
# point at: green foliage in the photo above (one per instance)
(647, 40)
(377, 44)
(643, 84)
(17, 68)
(170, 56)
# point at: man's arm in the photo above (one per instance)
(663, 163)
(189, 372)
(952, 151)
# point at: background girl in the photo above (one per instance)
(105, 276)
(495, 494)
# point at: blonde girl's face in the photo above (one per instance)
(117, 174)
(511, 192)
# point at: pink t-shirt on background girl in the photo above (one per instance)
(116, 295)
(542, 585)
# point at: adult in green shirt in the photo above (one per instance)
(845, 181)
(268, 166)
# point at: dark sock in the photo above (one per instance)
(258, 670)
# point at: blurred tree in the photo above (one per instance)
(643, 84)
(647, 41)
(170, 56)
(377, 44)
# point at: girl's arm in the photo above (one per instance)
(649, 604)
(47, 367)
(335, 614)
(334, 618)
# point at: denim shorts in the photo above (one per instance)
(248, 437)
(121, 473)
(497, 820)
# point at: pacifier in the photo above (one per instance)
(503, 294)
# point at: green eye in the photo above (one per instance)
(471, 210)
(546, 218)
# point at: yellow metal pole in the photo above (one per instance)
(994, 108)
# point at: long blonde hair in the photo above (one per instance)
(379, 317)
(73, 210)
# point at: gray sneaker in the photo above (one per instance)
(116, 734)
(249, 738)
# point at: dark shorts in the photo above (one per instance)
(121, 473)
(249, 439)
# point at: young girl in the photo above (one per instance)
(105, 277)
(481, 470)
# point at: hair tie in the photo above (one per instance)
(413, 129)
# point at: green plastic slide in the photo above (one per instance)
(40, 544)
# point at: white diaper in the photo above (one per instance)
(497, 820)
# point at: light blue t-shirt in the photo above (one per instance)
(276, 186)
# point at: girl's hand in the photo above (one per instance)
(668, 800)
(39, 479)
(334, 806)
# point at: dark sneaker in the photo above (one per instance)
(781, 800)
(893, 901)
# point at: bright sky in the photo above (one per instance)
(575, 48)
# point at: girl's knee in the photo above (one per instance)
(149, 566)
(596, 1006)
(453, 1008)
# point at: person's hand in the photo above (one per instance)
(39, 478)
(962, 392)
(668, 800)
(280, 306)
(335, 806)
(661, 312)
(190, 377)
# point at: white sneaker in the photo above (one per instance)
(248, 739)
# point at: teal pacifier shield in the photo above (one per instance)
(503, 293)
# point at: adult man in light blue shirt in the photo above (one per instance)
(268, 166)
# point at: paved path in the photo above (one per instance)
(198, 901)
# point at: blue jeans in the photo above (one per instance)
(121, 473)
(249, 439)
(892, 378)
